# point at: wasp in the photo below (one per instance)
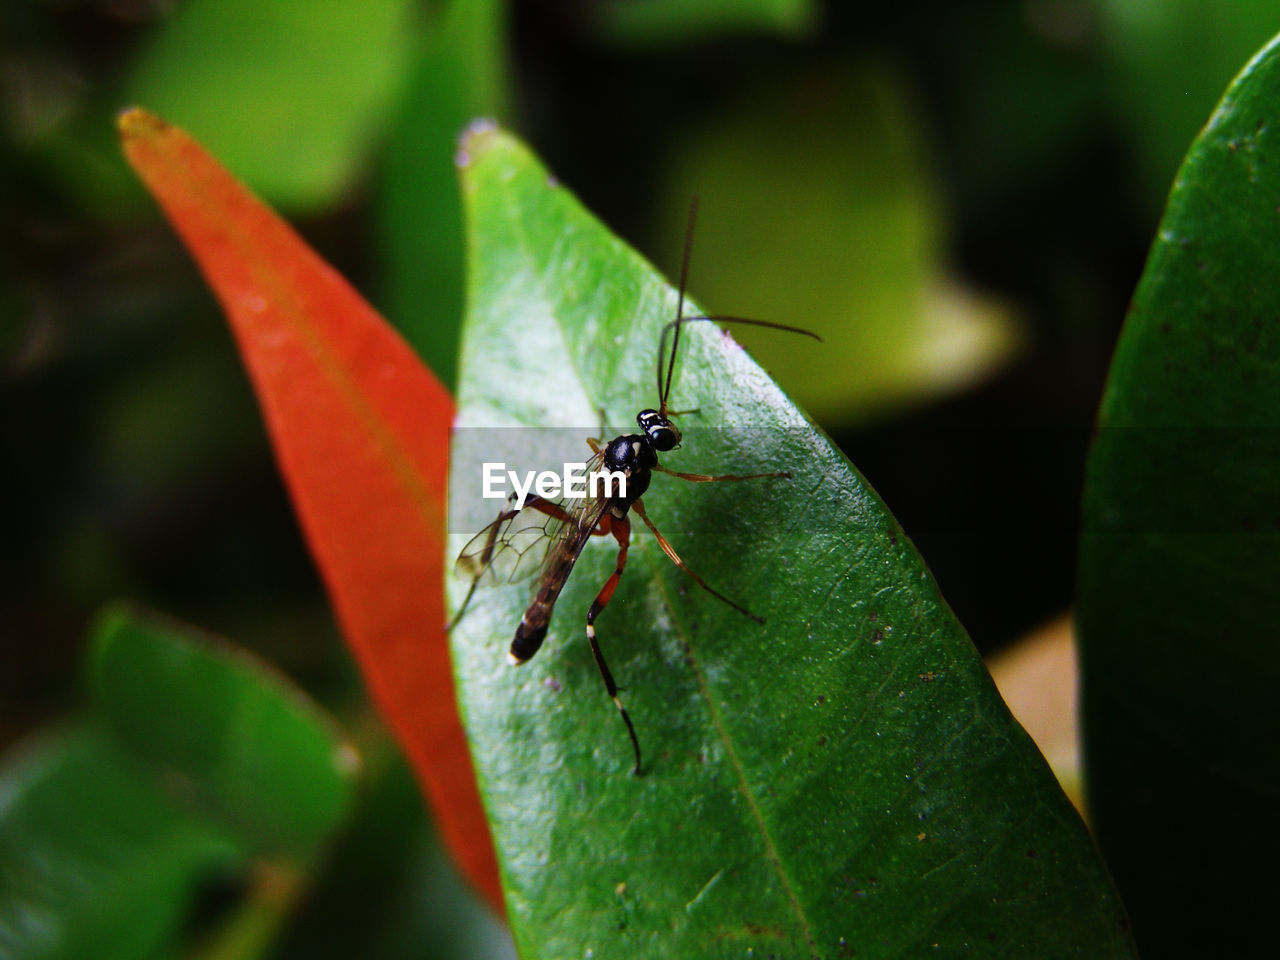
(571, 523)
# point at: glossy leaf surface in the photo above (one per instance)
(842, 780)
(360, 429)
(1179, 592)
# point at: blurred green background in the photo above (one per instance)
(958, 198)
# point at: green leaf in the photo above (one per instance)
(94, 860)
(251, 751)
(288, 94)
(843, 780)
(1180, 555)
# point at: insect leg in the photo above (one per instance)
(622, 533)
(706, 478)
(466, 602)
(669, 550)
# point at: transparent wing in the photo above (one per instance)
(519, 543)
(571, 536)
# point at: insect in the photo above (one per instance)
(571, 523)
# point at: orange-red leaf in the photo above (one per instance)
(360, 428)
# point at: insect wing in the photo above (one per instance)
(578, 518)
(572, 534)
(509, 549)
(520, 543)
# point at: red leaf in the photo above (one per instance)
(361, 429)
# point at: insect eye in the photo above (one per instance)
(665, 437)
(662, 433)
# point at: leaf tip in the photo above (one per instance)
(477, 137)
(135, 122)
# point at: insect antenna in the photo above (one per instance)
(714, 318)
(664, 383)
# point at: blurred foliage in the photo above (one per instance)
(674, 21)
(1170, 61)
(1009, 152)
(261, 762)
(317, 77)
(391, 882)
(854, 224)
(459, 73)
(98, 862)
(196, 763)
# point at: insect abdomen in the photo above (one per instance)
(528, 639)
(533, 625)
